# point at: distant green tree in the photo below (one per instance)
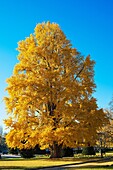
(88, 150)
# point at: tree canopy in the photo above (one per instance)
(50, 98)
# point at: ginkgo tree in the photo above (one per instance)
(50, 100)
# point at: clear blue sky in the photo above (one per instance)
(87, 23)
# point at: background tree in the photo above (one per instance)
(3, 146)
(50, 94)
(111, 107)
(107, 130)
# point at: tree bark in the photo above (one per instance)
(56, 151)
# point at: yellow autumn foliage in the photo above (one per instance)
(50, 93)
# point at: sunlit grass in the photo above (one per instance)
(39, 163)
(98, 155)
(101, 168)
(44, 161)
(22, 163)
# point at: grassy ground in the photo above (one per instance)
(93, 168)
(32, 163)
(79, 162)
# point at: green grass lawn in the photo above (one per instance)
(32, 163)
(98, 168)
(40, 162)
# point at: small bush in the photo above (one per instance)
(37, 150)
(68, 152)
(27, 153)
(13, 151)
(88, 150)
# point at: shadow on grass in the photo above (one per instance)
(73, 166)
(91, 168)
(94, 167)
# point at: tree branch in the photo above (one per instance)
(80, 71)
(70, 122)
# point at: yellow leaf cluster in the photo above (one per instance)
(50, 93)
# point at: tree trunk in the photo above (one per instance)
(56, 151)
